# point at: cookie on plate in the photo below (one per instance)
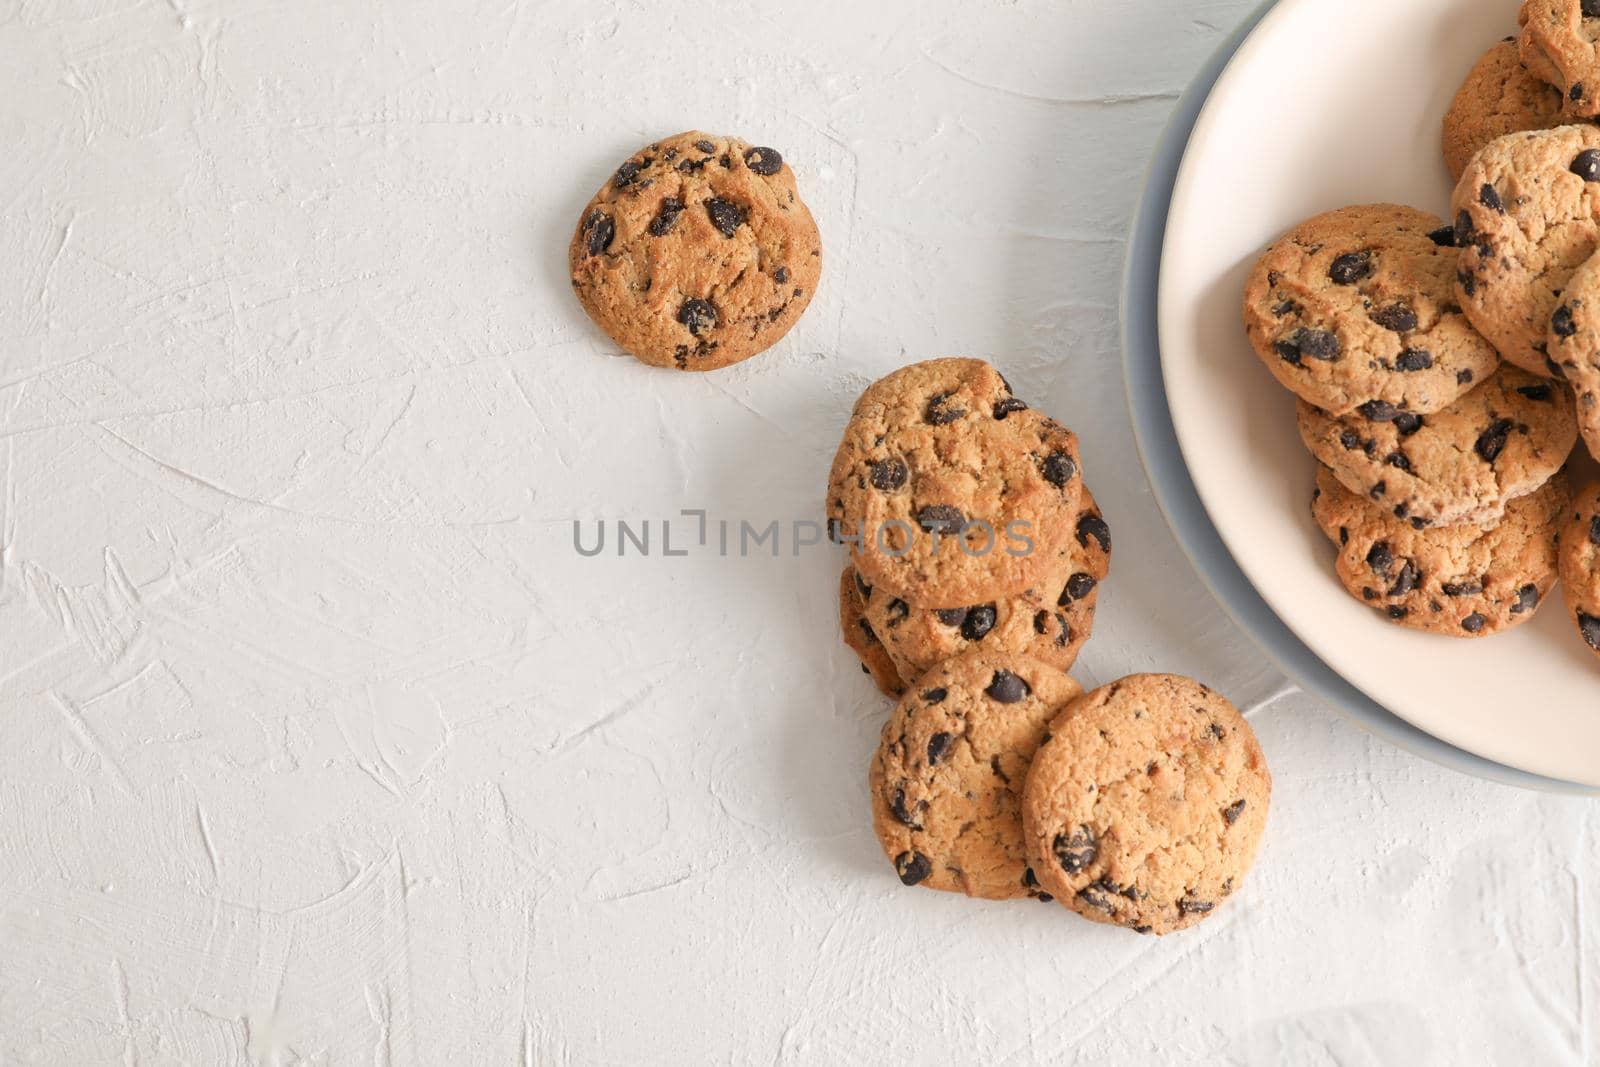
(1499, 97)
(1049, 622)
(1527, 214)
(1580, 565)
(1145, 806)
(1461, 581)
(950, 490)
(1558, 45)
(697, 253)
(1574, 345)
(947, 779)
(1358, 306)
(860, 636)
(1464, 464)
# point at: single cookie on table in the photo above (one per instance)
(1500, 96)
(1358, 306)
(1574, 345)
(697, 253)
(1558, 45)
(1461, 581)
(1050, 622)
(1527, 214)
(950, 490)
(946, 781)
(861, 638)
(1580, 565)
(1145, 806)
(1464, 464)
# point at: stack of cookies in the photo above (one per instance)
(1445, 370)
(977, 555)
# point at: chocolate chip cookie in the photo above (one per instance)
(1558, 45)
(860, 636)
(1501, 441)
(1461, 581)
(1358, 306)
(697, 253)
(1499, 97)
(1527, 214)
(947, 778)
(1580, 565)
(1146, 804)
(950, 490)
(1574, 345)
(1049, 622)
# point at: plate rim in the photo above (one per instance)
(1167, 470)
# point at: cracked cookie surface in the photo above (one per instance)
(1358, 306)
(1464, 464)
(946, 781)
(860, 636)
(1558, 44)
(1050, 622)
(1527, 215)
(1460, 581)
(1499, 96)
(1574, 345)
(697, 253)
(1145, 806)
(1580, 565)
(953, 490)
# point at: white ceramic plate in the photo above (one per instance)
(1302, 121)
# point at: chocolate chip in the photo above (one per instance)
(1414, 359)
(1350, 268)
(706, 146)
(628, 172)
(1286, 307)
(1081, 585)
(978, 623)
(1489, 197)
(1464, 230)
(666, 218)
(1493, 440)
(901, 812)
(1378, 490)
(1095, 897)
(1406, 580)
(936, 695)
(868, 632)
(1188, 906)
(698, 315)
(1002, 408)
(1407, 423)
(1463, 377)
(1590, 9)
(898, 609)
(951, 616)
(1396, 317)
(1594, 530)
(764, 161)
(938, 413)
(1007, 688)
(1231, 813)
(1379, 411)
(1075, 851)
(1397, 613)
(1467, 587)
(1468, 282)
(1381, 558)
(1576, 92)
(1030, 882)
(889, 474)
(1444, 237)
(781, 275)
(1094, 526)
(598, 231)
(1540, 393)
(1589, 627)
(862, 587)
(1587, 165)
(1527, 600)
(1350, 440)
(912, 867)
(1318, 344)
(941, 518)
(725, 215)
(1058, 469)
(1561, 323)
(1474, 623)
(936, 747)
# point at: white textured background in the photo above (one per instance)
(320, 745)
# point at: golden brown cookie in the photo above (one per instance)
(1145, 806)
(1501, 441)
(1527, 214)
(1558, 45)
(950, 490)
(1574, 345)
(860, 636)
(1358, 306)
(1499, 97)
(1049, 623)
(1460, 581)
(947, 778)
(697, 253)
(1580, 565)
